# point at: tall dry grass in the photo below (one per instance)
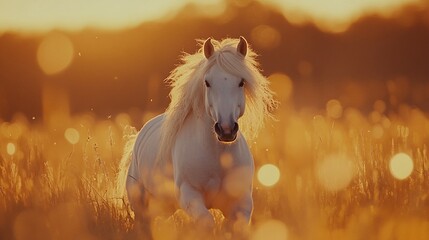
(335, 178)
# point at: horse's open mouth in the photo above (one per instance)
(228, 138)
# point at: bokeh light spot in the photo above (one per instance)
(271, 229)
(334, 109)
(268, 175)
(305, 68)
(375, 116)
(72, 135)
(377, 131)
(283, 85)
(335, 172)
(385, 122)
(380, 106)
(237, 181)
(226, 160)
(401, 166)
(55, 53)
(265, 36)
(10, 148)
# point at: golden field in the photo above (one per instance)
(338, 177)
(346, 156)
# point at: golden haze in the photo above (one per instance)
(26, 16)
(345, 158)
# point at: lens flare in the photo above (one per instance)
(55, 53)
(268, 175)
(10, 149)
(401, 166)
(71, 135)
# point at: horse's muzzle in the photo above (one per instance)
(226, 133)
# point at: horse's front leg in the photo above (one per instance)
(241, 213)
(192, 201)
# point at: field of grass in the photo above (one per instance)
(337, 177)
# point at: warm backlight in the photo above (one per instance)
(401, 166)
(72, 135)
(336, 14)
(45, 15)
(268, 175)
(55, 53)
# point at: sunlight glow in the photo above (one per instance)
(55, 53)
(268, 175)
(45, 15)
(271, 229)
(335, 172)
(336, 15)
(401, 166)
(10, 149)
(72, 135)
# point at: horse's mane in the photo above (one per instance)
(187, 93)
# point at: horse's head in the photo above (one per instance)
(224, 95)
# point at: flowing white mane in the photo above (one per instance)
(187, 93)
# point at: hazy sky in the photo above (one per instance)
(43, 15)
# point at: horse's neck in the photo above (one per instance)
(203, 125)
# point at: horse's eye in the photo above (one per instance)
(207, 83)
(241, 83)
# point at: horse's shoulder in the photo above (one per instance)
(157, 120)
(150, 127)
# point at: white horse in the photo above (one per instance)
(194, 156)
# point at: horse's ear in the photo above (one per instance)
(242, 46)
(208, 48)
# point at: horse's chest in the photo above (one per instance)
(212, 187)
(206, 181)
(205, 175)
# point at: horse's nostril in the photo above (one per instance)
(217, 128)
(235, 129)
